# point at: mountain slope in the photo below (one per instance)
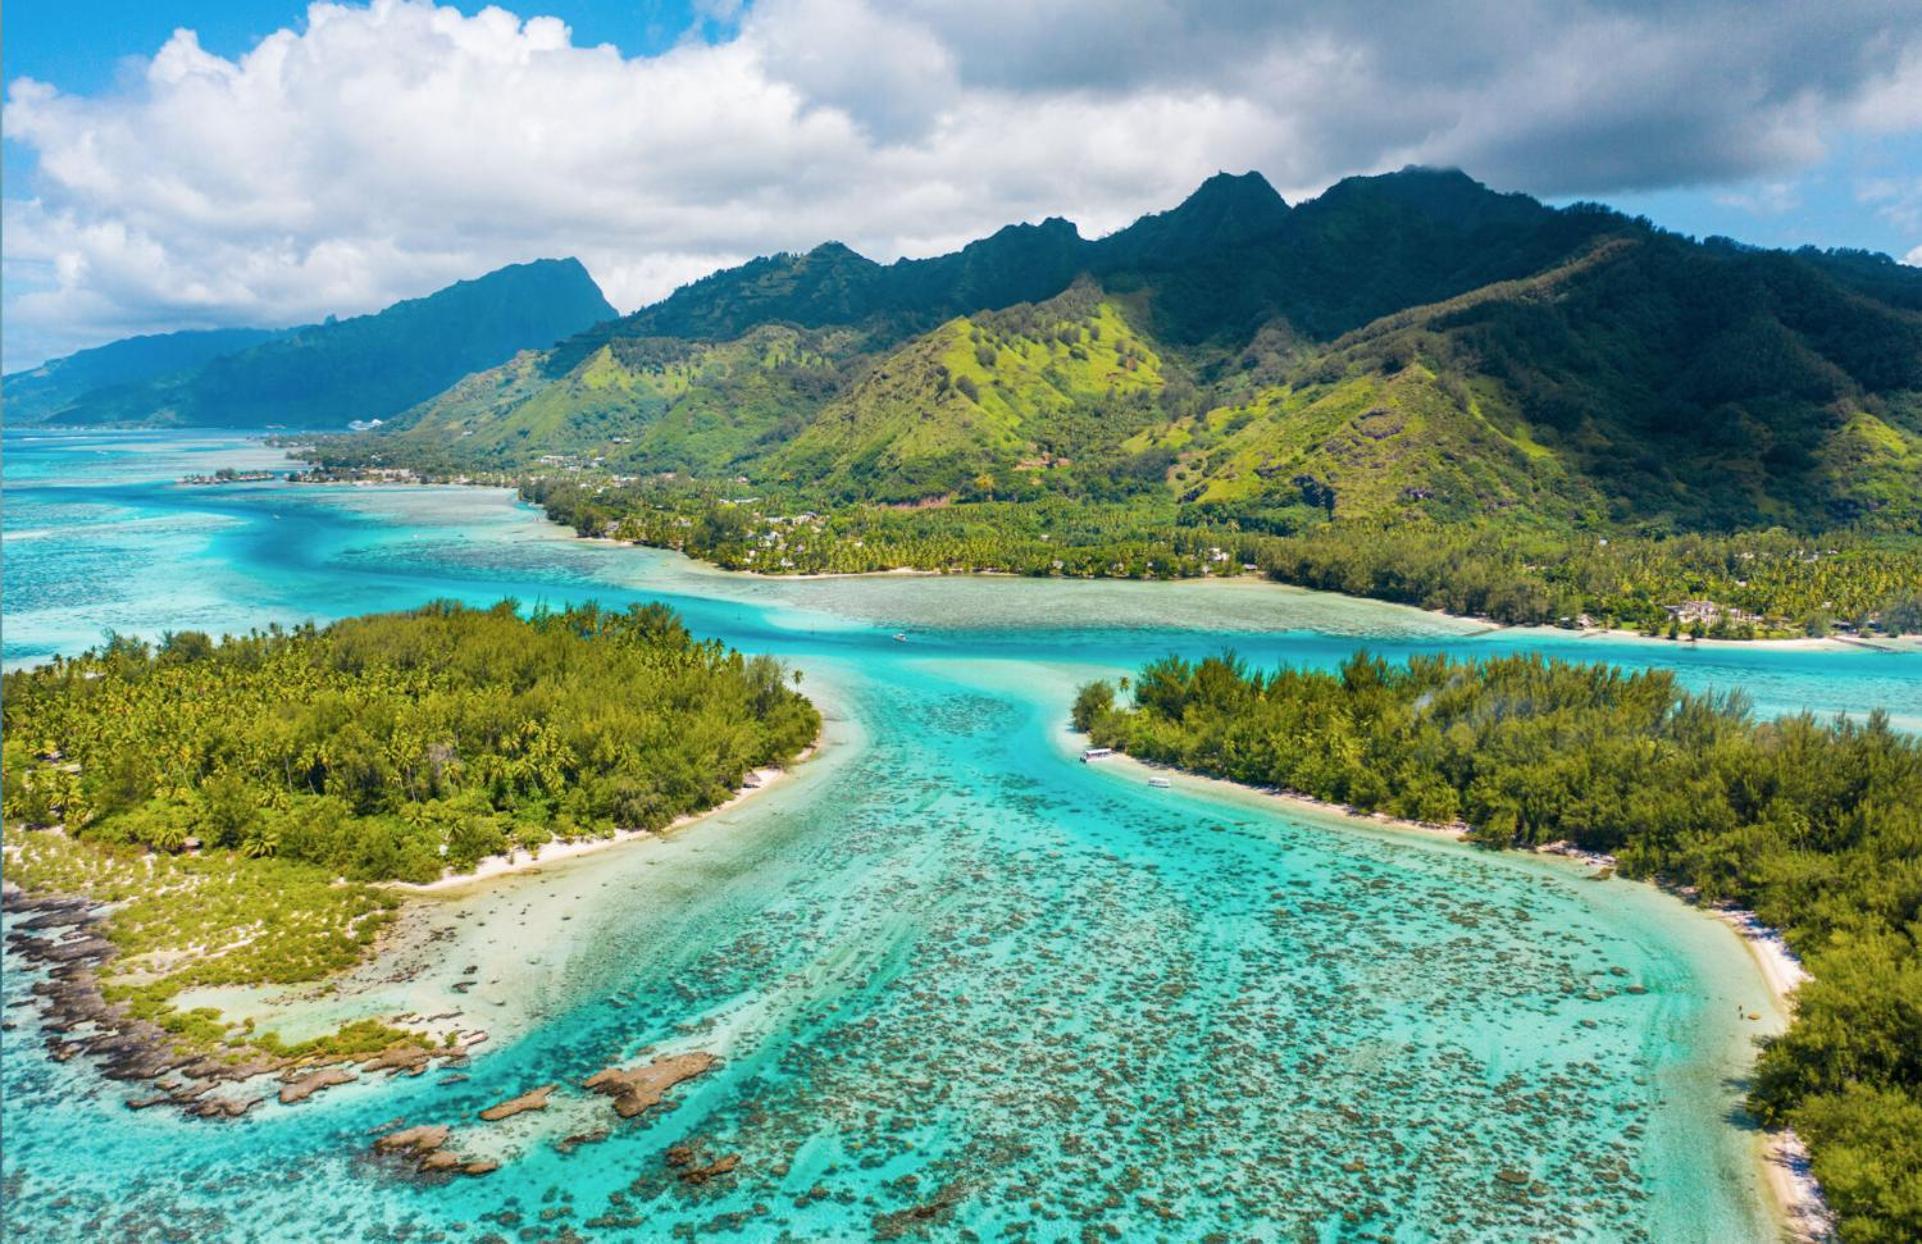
(39, 393)
(832, 285)
(368, 367)
(1650, 383)
(1230, 258)
(1032, 390)
(635, 404)
(1409, 347)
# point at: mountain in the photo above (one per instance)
(654, 403)
(1229, 259)
(367, 367)
(1405, 347)
(38, 393)
(1650, 382)
(831, 285)
(1034, 388)
(1226, 213)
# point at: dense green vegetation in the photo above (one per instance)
(1766, 583)
(37, 393)
(1816, 826)
(215, 792)
(367, 367)
(1410, 387)
(213, 918)
(394, 746)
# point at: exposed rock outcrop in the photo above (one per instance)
(640, 1088)
(533, 1099)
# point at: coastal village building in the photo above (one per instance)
(1706, 612)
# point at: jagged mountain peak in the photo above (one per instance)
(1225, 211)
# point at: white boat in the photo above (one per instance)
(900, 637)
(1096, 753)
(1158, 781)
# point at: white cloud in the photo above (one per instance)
(379, 152)
(1896, 200)
(1771, 198)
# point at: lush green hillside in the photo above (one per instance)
(831, 285)
(654, 404)
(1648, 384)
(369, 367)
(41, 393)
(1409, 366)
(982, 401)
(998, 403)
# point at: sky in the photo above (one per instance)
(189, 165)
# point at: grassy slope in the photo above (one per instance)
(1544, 399)
(1028, 389)
(651, 404)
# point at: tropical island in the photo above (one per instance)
(1811, 825)
(231, 812)
(829, 620)
(1411, 388)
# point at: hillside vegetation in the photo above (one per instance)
(365, 368)
(1409, 362)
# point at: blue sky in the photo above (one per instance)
(157, 181)
(78, 44)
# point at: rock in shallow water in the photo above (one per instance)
(637, 1089)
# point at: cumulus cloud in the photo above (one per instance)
(370, 153)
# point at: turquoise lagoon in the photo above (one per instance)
(962, 985)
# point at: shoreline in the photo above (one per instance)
(55, 934)
(1892, 645)
(1795, 1197)
(521, 860)
(76, 1018)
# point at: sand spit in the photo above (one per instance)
(517, 861)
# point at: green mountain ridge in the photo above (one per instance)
(364, 368)
(1033, 388)
(1411, 348)
(665, 404)
(34, 394)
(1646, 383)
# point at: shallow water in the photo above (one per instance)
(947, 966)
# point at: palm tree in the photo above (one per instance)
(263, 838)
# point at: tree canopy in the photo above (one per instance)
(393, 746)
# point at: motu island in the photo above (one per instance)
(797, 621)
